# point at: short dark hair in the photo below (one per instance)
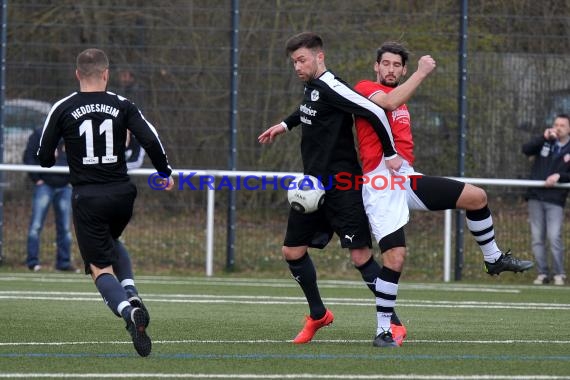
(307, 40)
(394, 48)
(92, 61)
(563, 116)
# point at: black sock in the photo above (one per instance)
(112, 292)
(304, 273)
(123, 269)
(395, 320)
(370, 271)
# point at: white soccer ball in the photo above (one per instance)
(306, 194)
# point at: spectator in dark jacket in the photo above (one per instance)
(49, 189)
(551, 152)
(132, 90)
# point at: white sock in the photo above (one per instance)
(383, 322)
(484, 234)
(491, 252)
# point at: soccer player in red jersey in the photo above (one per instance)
(388, 209)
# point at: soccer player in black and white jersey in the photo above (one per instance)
(94, 125)
(327, 149)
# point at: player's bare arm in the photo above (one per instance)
(402, 93)
(272, 132)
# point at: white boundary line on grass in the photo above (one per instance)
(275, 376)
(268, 283)
(272, 300)
(279, 283)
(49, 277)
(274, 341)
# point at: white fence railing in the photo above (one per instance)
(447, 235)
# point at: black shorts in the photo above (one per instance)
(342, 213)
(438, 193)
(100, 214)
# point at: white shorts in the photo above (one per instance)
(388, 199)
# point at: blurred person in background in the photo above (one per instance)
(49, 189)
(551, 154)
(132, 90)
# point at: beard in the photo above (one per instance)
(389, 84)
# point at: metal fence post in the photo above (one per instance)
(462, 105)
(3, 32)
(231, 235)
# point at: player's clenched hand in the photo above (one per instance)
(426, 65)
(394, 164)
(271, 133)
(170, 184)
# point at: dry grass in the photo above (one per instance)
(171, 239)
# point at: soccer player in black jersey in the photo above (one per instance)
(327, 150)
(94, 125)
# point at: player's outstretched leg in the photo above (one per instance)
(507, 263)
(480, 224)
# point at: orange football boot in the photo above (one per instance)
(399, 333)
(311, 327)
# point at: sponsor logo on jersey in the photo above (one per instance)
(400, 114)
(314, 95)
(307, 110)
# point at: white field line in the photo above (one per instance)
(273, 300)
(274, 341)
(269, 283)
(273, 376)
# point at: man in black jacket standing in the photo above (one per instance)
(551, 152)
(49, 189)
